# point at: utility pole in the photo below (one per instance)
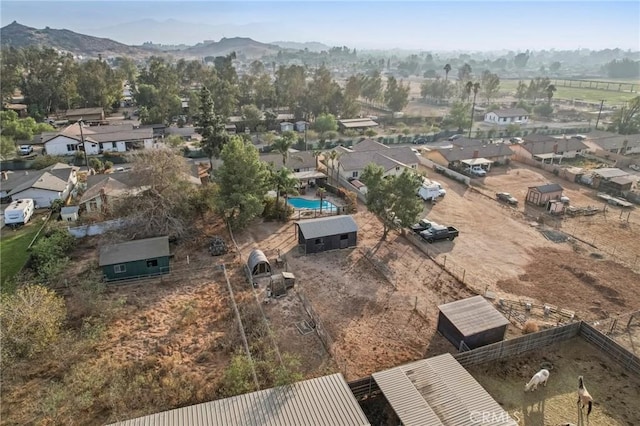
(84, 147)
(599, 112)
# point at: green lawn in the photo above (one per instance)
(570, 93)
(13, 250)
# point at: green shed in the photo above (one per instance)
(135, 259)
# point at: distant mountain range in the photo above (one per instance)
(17, 35)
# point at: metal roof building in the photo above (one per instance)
(438, 391)
(258, 263)
(327, 233)
(322, 401)
(135, 259)
(473, 321)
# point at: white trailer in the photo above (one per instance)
(431, 190)
(19, 212)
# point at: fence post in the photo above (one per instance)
(464, 271)
(444, 263)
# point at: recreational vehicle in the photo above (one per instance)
(431, 190)
(19, 212)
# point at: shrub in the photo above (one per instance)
(530, 326)
(48, 254)
(31, 319)
(270, 212)
(47, 160)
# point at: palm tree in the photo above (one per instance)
(447, 70)
(467, 89)
(316, 155)
(476, 89)
(321, 193)
(550, 89)
(285, 183)
(333, 155)
(282, 146)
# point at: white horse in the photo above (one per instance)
(540, 377)
(584, 398)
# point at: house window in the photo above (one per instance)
(413, 166)
(72, 147)
(93, 205)
(119, 269)
(354, 174)
(344, 237)
(319, 241)
(152, 263)
(397, 168)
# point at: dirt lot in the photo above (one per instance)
(614, 391)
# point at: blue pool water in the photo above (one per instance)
(303, 203)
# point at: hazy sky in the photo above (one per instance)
(428, 25)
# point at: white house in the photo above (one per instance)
(98, 139)
(351, 162)
(46, 185)
(507, 116)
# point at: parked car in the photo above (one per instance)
(507, 198)
(419, 141)
(635, 167)
(26, 149)
(422, 225)
(478, 171)
(454, 137)
(439, 233)
(516, 140)
(579, 137)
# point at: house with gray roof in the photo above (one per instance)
(327, 233)
(507, 116)
(135, 259)
(103, 190)
(43, 186)
(617, 144)
(300, 161)
(546, 148)
(471, 152)
(351, 162)
(97, 139)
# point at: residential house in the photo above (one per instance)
(356, 124)
(97, 139)
(545, 147)
(43, 186)
(88, 115)
(541, 195)
(612, 180)
(302, 163)
(469, 152)
(614, 143)
(507, 116)
(351, 162)
(135, 259)
(104, 189)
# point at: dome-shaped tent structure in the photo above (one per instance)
(258, 263)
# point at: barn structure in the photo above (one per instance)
(321, 401)
(135, 259)
(541, 195)
(471, 323)
(438, 391)
(327, 233)
(258, 264)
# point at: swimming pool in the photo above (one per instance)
(303, 203)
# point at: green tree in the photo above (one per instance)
(392, 198)
(555, 66)
(10, 77)
(285, 183)
(447, 70)
(211, 126)
(372, 87)
(31, 320)
(627, 120)
(551, 89)
(543, 110)
(283, 144)
(437, 89)
(521, 59)
(8, 147)
(325, 123)
(522, 90)
(464, 72)
(396, 95)
(490, 85)
(476, 89)
(251, 115)
(243, 181)
(466, 92)
(21, 128)
(458, 116)
(98, 84)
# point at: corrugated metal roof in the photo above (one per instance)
(131, 251)
(326, 226)
(550, 187)
(257, 256)
(439, 391)
(322, 401)
(473, 315)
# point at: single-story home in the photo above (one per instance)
(98, 139)
(327, 233)
(299, 161)
(617, 144)
(43, 186)
(135, 259)
(104, 189)
(352, 162)
(542, 194)
(545, 148)
(507, 116)
(85, 114)
(483, 154)
(356, 124)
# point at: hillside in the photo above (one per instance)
(312, 46)
(240, 45)
(17, 35)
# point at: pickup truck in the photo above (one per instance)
(437, 233)
(422, 225)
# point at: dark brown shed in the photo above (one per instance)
(473, 321)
